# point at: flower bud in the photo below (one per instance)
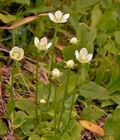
(70, 64)
(42, 101)
(73, 40)
(56, 73)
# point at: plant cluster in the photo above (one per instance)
(63, 69)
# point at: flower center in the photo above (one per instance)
(41, 46)
(59, 18)
(16, 55)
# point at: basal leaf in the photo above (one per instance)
(18, 119)
(22, 1)
(7, 18)
(117, 37)
(95, 16)
(112, 125)
(93, 91)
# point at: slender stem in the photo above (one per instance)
(64, 97)
(50, 67)
(37, 79)
(13, 37)
(49, 92)
(12, 87)
(83, 72)
(72, 103)
(53, 50)
(55, 101)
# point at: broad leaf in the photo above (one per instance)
(22, 1)
(3, 128)
(18, 119)
(93, 91)
(94, 113)
(117, 37)
(112, 125)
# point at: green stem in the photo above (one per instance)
(49, 92)
(13, 37)
(72, 103)
(12, 87)
(83, 72)
(37, 80)
(50, 68)
(64, 97)
(55, 118)
(12, 90)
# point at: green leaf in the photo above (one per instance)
(114, 85)
(26, 105)
(22, 1)
(95, 16)
(106, 4)
(85, 3)
(27, 127)
(93, 91)
(94, 113)
(7, 18)
(71, 85)
(117, 37)
(75, 129)
(19, 119)
(85, 36)
(65, 136)
(10, 105)
(115, 98)
(101, 39)
(47, 137)
(108, 21)
(112, 125)
(68, 52)
(3, 128)
(34, 137)
(111, 47)
(107, 102)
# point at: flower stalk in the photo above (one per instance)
(64, 97)
(50, 68)
(55, 101)
(12, 89)
(37, 80)
(72, 102)
(83, 72)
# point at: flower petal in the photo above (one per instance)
(58, 14)
(77, 55)
(48, 45)
(52, 17)
(83, 52)
(89, 57)
(36, 41)
(65, 18)
(43, 41)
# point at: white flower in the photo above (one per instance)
(70, 64)
(58, 17)
(56, 73)
(42, 44)
(17, 53)
(73, 40)
(83, 56)
(42, 101)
